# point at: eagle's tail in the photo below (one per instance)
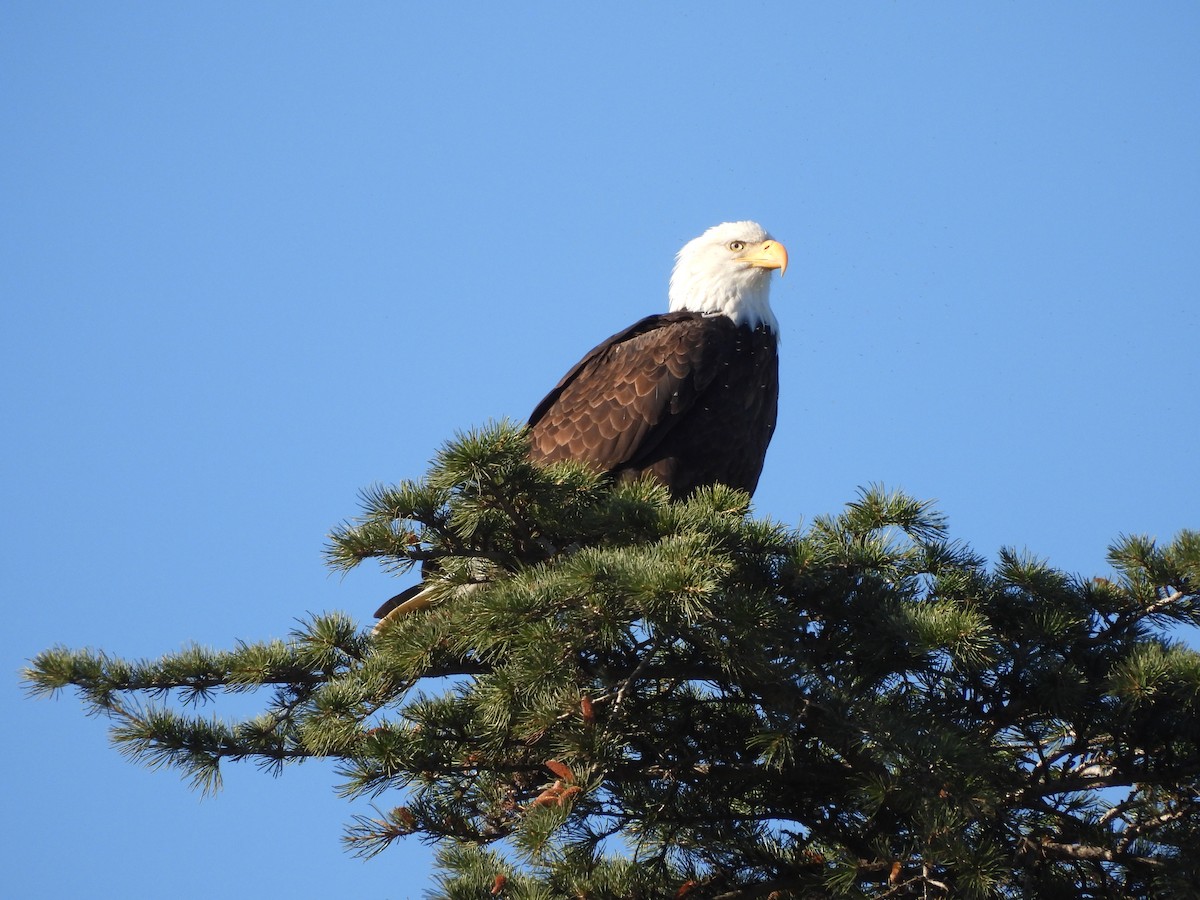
(409, 600)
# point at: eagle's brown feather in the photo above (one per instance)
(690, 398)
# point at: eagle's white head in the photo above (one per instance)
(727, 271)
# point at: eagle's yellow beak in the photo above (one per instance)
(768, 255)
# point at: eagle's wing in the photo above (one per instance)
(618, 402)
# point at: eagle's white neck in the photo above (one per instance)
(747, 301)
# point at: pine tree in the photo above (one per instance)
(612, 695)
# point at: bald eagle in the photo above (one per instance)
(688, 397)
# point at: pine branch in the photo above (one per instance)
(1053, 850)
(635, 697)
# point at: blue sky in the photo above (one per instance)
(256, 256)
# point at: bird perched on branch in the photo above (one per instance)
(689, 396)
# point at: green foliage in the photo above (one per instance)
(612, 695)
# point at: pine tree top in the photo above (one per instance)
(612, 695)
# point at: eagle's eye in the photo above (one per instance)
(737, 246)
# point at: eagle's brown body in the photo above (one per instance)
(687, 397)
